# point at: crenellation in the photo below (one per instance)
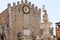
(18, 3)
(25, 1)
(9, 5)
(36, 8)
(14, 4)
(29, 3)
(32, 5)
(39, 10)
(40, 15)
(21, 1)
(14, 7)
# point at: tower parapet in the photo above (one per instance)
(46, 25)
(45, 16)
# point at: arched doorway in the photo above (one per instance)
(2, 36)
(59, 38)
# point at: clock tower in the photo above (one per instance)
(24, 20)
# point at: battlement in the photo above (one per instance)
(23, 3)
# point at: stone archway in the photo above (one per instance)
(2, 36)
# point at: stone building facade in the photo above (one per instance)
(23, 22)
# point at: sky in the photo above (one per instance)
(52, 7)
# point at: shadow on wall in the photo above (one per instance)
(59, 38)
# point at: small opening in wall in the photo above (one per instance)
(7, 25)
(2, 37)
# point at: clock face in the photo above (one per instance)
(26, 9)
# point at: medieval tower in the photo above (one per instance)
(23, 22)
